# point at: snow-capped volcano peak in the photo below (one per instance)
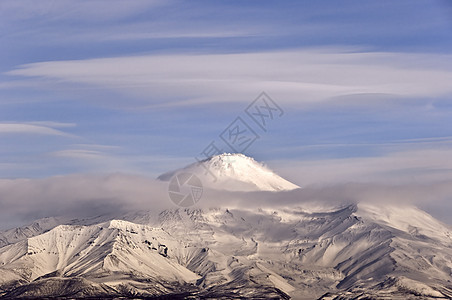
(233, 164)
(234, 171)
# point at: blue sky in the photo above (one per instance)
(144, 86)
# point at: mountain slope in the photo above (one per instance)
(308, 251)
(109, 253)
(20, 233)
(282, 253)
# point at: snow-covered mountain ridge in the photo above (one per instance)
(305, 251)
(205, 252)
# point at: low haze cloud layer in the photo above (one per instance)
(78, 196)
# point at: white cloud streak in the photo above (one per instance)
(21, 128)
(80, 154)
(94, 10)
(292, 76)
(52, 124)
(418, 166)
(50, 18)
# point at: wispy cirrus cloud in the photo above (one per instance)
(33, 128)
(117, 22)
(80, 154)
(53, 11)
(414, 165)
(52, 124)
(298, 76)
(111, 159)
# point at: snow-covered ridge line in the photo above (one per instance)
(293, 251)
(308, 250)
